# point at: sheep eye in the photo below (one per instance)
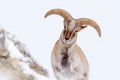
(64, 26)
(64, 31)
(73, 34)
(69, 21)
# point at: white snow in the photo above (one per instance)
(14, 53)
(28, 71)
(3, 76)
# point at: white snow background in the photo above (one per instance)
(25, 19)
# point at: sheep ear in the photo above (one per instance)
(83, 26)
(79, 28)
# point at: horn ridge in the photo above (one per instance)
(60, 12)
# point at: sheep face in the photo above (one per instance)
(69, 33)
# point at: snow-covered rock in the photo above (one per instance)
(16, 63)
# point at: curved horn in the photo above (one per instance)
(87, 21)
(60, 12)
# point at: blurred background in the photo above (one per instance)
(25, 19)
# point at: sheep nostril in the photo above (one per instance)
(66, 38)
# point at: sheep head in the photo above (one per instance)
(72, 26)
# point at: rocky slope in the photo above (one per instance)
(16, 63)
